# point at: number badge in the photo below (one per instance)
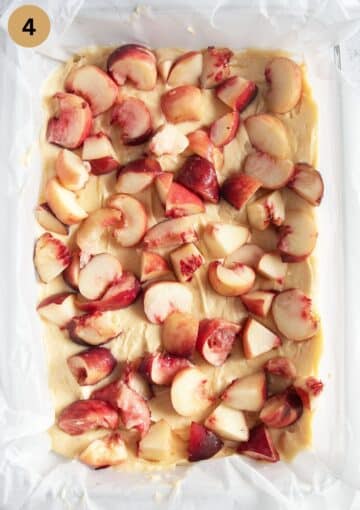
(29, 26)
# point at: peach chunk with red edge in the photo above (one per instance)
(257, 339)
(228, 423)
(165, 297)
(198, 175)
(137, 175)
(153, 266)
(247, 393)
(58, 308)
(273, 173)
(239, 188)
(171, 233)
(106, 451)
(271, 266)
(230, 281)
(157, 444)
(51, 257)
(268, 134)
(221, 239)
(282, 410)
(248, 254)
(186, 260)
(203, 443)
(71, 273)
(182, 202)
(259, 446)
(95, 277)
(215, 340)
(133, 118)
(71, 124)
(237, 93)
(63, 203)
(99, 152)
(285, 84)
(72, 172)
(258, 302)
(135, 63)
(179, 334)
(186, 69)
(120, 294)
(281, 366)
(298, 236)
(294, 315)
(181, 104)
(161, 368)
(216, 66)
(91, 366)
(163, 182)
(201, 145)
(84, 415)
(267, 209)
(47, 219)
(92, 232)
(224, 129)
(189, 392)
(307, 183)
(168, 140)
(136, 381)
(134, 217)
(308, 388)
(94, 85)
(93, 329)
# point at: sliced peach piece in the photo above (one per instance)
(63, 203)
(224, 238)
(182, 202)
(215, 66)
(198, 175)
(239, 188)
(215, 340)
(51, 257)
(189, 392)
(91, 366)
(99, 152)
(282, 410)
(248, 254)
(186, 69)
(136, 381)
(162, 368)
(258, 302)
(271, 266)
(247, 393)
(93, 329)
(92, 232)
(224, 129)
(46, 218)
(228, 423)
(258, 339)
(259, 446)
(153, 266)
(186, 260)
(105, 451)
(85, 415)
(134, 120)
(94, 85)
(308, 388)
(267, 209)
(163, 298)
(203, 443)
(134, 216)
(233, 281)
(168, 140)
(170, 233)
(268, 134)
(58, 309)
(297, 236)
(163, 182)
(72, 172)
(307, 183)
(71, 124)
(293, 315)
(285, 84)
(274, 173)
(137, 175)
(135, 63)
(182, 104)
(237, 93)
(156, 445)
(102, 270)
(281, 366)
(71, 273)
(179, 334)
(201, 145)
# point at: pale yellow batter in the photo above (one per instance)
(138, 334)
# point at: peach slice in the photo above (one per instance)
(182, 104)
(247, 393)
(297, 236)
(134, 216)
(293, 315)
(271, 266)
(237, 93)
(163, 182)
(222, 239)
(162, 368)
(156, 445)
(186, 260)
(137, 175)
(248, 254)
(102, 270)
(106, 451)
(267, 209)
(282, 410)
(258, 339)
(203, 443)
(201, 145)
(71, 273)
(230, 281)
(168, 140)
(49, 221)
(215, 66)
(135, 63)
(153, 266)
(51, 257)
(186, 69)
(228, 423)
(274, 173)
(63, 203)
(258, 302)
(170, 233)
(182, 202)
(285, 84)
(134, 120)
(136, 381)
(268, 134)
(259, 446)
(307, 183)
(94, 85)
(215, 340)
(198, 175)
(224, 129)
(164, 67)
(58, 309)
(163, 298)
(99, 152)
(281, 366)
(239, 188)
(71, 124)
(93, 329)
(91, 366)
(308, 388)
(72, 172)
(85, 415)
(92, 232)
(179, 334)
(189, 393)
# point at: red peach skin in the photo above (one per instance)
(198, 175)
(215, 66)
(239, 188)
(85, 415)
(134, 120)
(237, 93)
(259, 446)
(91, 366)
(162, 368)
(215, 340)
(203, 443)
(135, 63)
